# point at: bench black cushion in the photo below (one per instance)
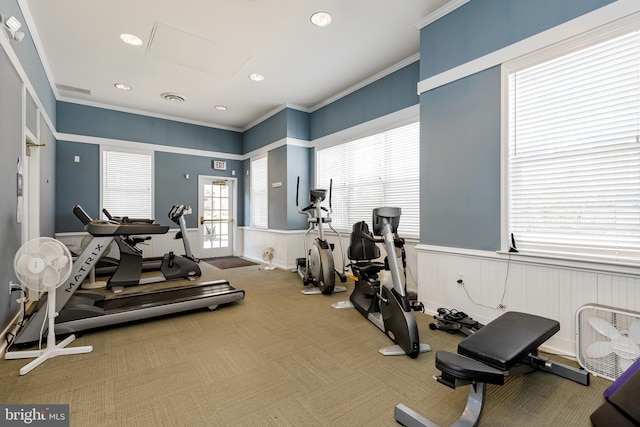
(504, 342)
(462, 367)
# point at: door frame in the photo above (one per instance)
(234, 209)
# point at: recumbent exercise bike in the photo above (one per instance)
(379, 292)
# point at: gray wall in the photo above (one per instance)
(460, 121)
(384, 96)
(286, 164)
(76, 183)
(299, 161)
(47, 180)
(11, 145)
(30, 60)
(172, 188)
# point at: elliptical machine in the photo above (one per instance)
(317, 268)
(172, 266)
(379, 293)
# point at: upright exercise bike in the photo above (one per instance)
(317, 268)
(379, 293)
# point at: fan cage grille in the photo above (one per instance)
(609, 366)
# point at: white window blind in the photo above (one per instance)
(376, 171)
(574, 153)
(259, 193)
(127, 183)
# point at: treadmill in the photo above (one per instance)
(80, 309)
(127, 245)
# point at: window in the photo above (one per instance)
(259, 193)
(371, 172)
(574, 152)
(126, 183)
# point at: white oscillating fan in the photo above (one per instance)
(608, 340)
(267, 255)
(42, 265)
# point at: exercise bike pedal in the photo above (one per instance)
(371, 289)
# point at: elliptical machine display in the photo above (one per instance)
(318, 268)
(379, 293)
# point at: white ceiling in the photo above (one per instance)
(205, 50)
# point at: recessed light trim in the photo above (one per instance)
(321, 19)
(131, 39)
(221, 107)
(256, 77)
(173, 97)
(122, 86)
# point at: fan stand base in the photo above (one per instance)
(49, 352)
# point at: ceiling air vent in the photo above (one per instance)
(173, 97)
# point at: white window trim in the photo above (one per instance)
(122, 149)
(594, 36)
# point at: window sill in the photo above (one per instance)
(582, 264)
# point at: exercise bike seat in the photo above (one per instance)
(504, 342)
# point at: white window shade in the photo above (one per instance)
(259, 193)
(379, 170)
(127, 183)
(574, 153)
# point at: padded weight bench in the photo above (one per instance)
(506, 346)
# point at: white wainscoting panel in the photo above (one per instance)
(547, 290)
(286, 245)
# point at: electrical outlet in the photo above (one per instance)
(460, 279)
(14, 287)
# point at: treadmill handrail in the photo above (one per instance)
(110, 228)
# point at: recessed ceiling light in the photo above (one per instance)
(256, 77)
(122, 86)
(130, 39)
(173, 97)
(321, 19)
(221, 107)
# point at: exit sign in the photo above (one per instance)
(219, 165)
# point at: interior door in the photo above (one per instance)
(216, 226)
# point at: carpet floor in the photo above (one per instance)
(277, 358)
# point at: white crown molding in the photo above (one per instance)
(439, 13)
(146, 146)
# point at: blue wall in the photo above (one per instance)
(461, 122)
(99, 122)
(264, 133)
(172, 188)
(76, 183)
(11, 144)
(481, 27)
(384, 96)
